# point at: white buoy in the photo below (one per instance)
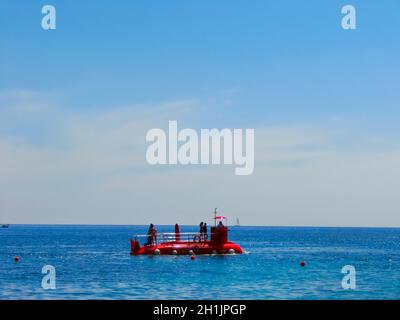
(231, 251)
(174, 252)
(157, 252)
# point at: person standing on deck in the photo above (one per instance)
(152, 235)
(205, 235)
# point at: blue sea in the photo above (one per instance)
(93, 262)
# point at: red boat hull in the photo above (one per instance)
(182, 247)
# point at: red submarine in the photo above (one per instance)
(187, 243)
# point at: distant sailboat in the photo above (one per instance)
(237, 222)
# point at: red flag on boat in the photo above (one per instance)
(219, 217)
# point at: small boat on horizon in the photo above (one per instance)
(5, 225)
(237, 222)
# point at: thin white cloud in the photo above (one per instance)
(97, 173)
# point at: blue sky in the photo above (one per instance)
(286, 60)
(285, 65)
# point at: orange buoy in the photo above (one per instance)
(193, 257)
(302, 264)
(16, 259)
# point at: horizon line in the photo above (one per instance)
(195, 225)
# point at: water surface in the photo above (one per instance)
(93, 262)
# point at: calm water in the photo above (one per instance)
(93, 262)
